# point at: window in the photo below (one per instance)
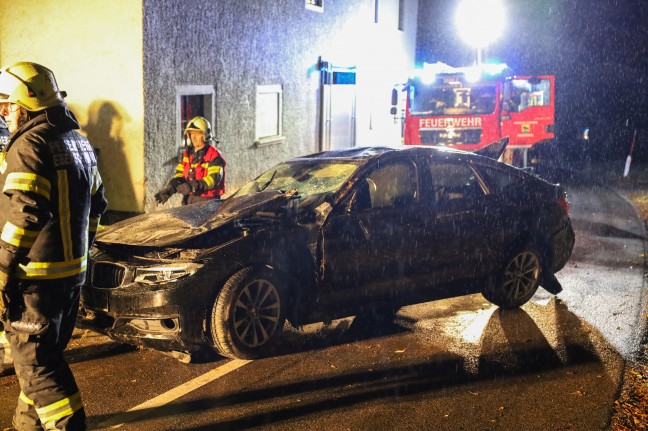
(390, 186)
(268, 115)
(502, 181)
(315, 5)
(523, 94)
(454, 182)
(192, 101)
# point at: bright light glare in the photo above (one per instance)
(480, 22)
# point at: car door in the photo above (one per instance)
(458, 234)
(367, 251)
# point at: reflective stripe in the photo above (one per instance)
(96, 180)
(209, 181)
(93, 224)
(64, 214)
(24, 399)
(28, 183)
(51, 270)
(213, 170)
(18, 236)
(60, 409)
(180, 169)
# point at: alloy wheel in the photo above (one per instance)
(256, 313)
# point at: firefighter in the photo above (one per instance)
(50, 208)
(201, 173)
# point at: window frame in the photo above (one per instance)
(261, 90)
(315, 5)
(207, 91)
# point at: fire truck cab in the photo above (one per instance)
(470, 107)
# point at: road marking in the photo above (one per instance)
(173, 394)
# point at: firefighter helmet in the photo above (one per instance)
(29, 85)
(201, 124)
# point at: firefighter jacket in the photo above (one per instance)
(204, 169)
(52, 201)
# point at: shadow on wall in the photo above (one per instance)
(104, 130)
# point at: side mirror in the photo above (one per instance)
(394, 97)
(393, 110)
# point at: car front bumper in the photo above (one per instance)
(158, 319)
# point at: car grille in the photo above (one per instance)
(107, 275)
(457, 137)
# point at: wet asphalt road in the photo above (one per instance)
(457, 364)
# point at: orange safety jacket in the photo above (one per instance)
(207, 166)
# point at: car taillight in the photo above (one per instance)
(563, 204)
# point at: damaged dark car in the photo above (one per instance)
(326, 236)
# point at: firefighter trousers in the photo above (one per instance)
(39, 325)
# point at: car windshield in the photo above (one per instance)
(308, 177)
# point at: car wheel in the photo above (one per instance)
(248, 314)
(519, 280)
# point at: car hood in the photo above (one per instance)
(171, 226)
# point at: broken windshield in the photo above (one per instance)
(308, 177)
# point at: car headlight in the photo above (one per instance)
(165, 273)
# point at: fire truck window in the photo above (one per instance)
(526, 94)
(443, 99)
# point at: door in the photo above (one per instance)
(338, 117)
(368, 250)
(459, 233)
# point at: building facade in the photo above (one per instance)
(276, 79)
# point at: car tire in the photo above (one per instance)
(248, 314)
(518, 281)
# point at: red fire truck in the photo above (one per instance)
(470, 107)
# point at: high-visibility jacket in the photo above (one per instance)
(206, 166)
(55, 200)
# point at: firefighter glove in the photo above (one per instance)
(197, 186)
(175, 182)
(163, 195)
(184, 188)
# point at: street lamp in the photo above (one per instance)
(480, 23)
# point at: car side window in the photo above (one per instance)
(454, 182)
(501, 181)
(390, 186)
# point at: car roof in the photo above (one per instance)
(370, 152)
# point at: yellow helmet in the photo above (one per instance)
(199, 123)
(29, 85)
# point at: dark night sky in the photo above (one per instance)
(598, 51)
